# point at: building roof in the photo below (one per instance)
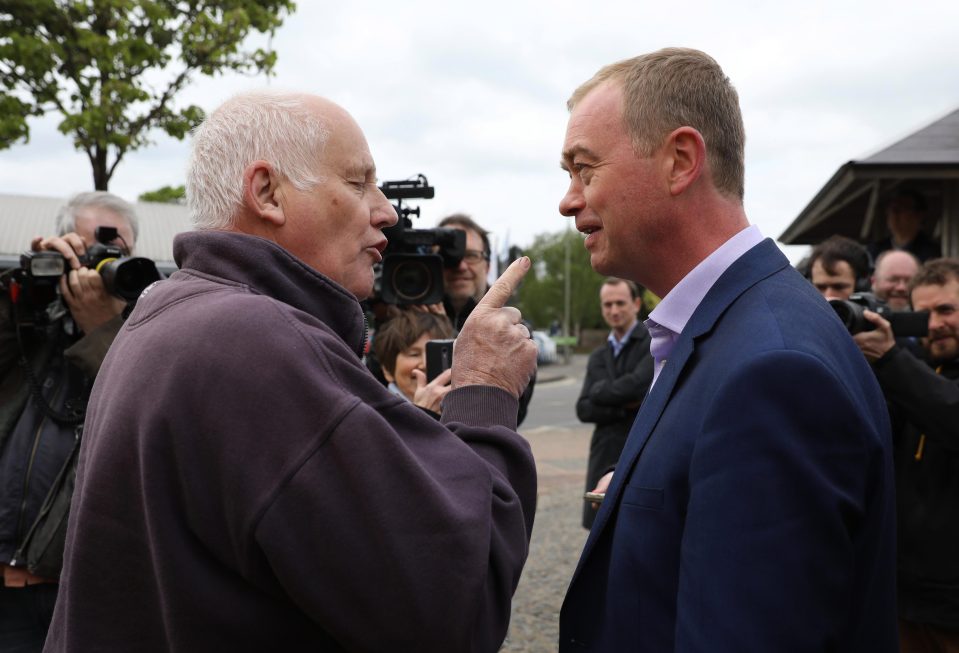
(23, 217)
(925, 160)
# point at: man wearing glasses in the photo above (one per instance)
(466, 284)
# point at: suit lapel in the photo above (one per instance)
(642, 428)
(758, 263)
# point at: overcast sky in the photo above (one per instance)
(473, 94)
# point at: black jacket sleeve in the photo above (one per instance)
(631, 387)
(917, 394)
(587, 410)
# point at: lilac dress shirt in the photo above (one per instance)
(670, 316)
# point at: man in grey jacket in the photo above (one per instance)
(245, 484)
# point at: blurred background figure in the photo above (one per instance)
(466, 283)
(904, 217)
(890, 280)
(618, 375)
(400, 347)
(838, 267)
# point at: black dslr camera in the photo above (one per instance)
(904, 324)
(35, 284)
(413, 261)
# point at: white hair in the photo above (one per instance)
(274, 126)
(67, 217)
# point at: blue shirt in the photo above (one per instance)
(618, 345)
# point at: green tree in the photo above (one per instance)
(541, 297)
(165, 195)
(112, 68)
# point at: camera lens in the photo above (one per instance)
(411, 280)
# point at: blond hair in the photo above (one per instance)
(679, 87)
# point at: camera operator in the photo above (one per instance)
(905, 215)
(465, 284)
(62, 356)
(924, 404)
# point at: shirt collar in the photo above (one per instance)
(613, 340)
(675, 309)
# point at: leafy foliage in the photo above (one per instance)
(165, 195)
(112, 68)
(541, 297)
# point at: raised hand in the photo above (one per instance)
(494, 347)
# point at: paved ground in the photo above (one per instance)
(558, 537)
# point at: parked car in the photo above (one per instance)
(545, 348)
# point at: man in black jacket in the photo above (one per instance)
(618, 376)
(924, 404)
(55, 350)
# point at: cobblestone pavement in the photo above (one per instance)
(558, 537)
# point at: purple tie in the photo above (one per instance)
(660, 346)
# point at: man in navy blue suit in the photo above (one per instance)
(752, 508)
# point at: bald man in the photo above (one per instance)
(890, 280)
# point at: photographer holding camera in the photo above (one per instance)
(54, 349)
(923, 402)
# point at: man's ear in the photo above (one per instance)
(685, 152)
(261, 193)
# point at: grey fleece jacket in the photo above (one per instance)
(245, 484)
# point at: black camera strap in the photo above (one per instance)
(76, 408)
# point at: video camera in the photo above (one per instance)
(904, 323)
(413, 261)
(35, 285)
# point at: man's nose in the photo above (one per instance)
(572, 202)
(384, 214)
(935, 322)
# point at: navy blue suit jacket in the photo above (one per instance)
(752, 508)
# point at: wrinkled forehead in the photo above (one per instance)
(346, 150)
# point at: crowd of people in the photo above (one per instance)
(220, 466)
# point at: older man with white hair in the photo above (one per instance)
(246, 484)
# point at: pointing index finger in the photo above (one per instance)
(501, 290)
